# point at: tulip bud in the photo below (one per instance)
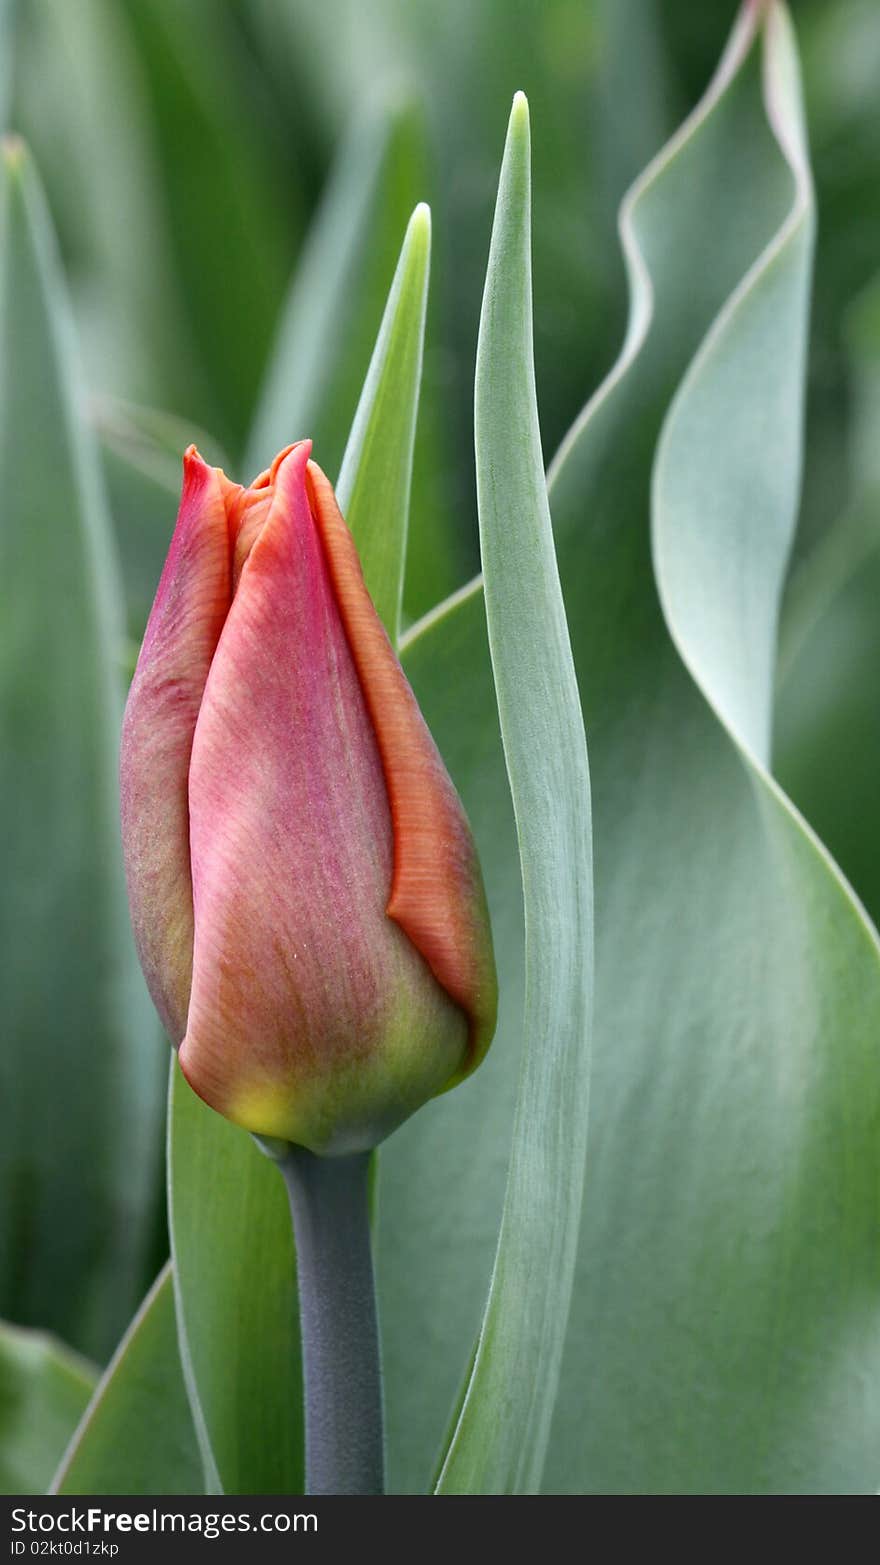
(304, 887)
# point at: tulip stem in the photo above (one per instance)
(340, 1338)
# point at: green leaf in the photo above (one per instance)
(442, 1175)
(827, 738)
(43, 1390)
(374, 484)
(329, 325)
(136, 1435)
(80, 1071)
(237, 1313)
(721, 1337)
(724, 499)
(570, 59)
(500, 1439)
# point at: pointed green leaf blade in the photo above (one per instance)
(136, 1436)
(335, 301)
(374, 483)
(500, 1440)
(329, 324)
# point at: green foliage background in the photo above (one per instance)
(230, 183)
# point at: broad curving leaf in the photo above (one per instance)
(136, 1436)
(79, 1087)
(722, 1336)
(43, 1390)
(827, 738)
(500, 1439)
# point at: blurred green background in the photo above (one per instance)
(212, 168)
(185, 149)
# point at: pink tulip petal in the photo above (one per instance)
(247, 511)
(160, 719)
(437, 894)
(309, 1007)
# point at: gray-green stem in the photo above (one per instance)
(340, 1339)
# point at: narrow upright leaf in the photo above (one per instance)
(374, 483)
(500, 1440)
(328, 325)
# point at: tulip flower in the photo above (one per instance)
(304, 887)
